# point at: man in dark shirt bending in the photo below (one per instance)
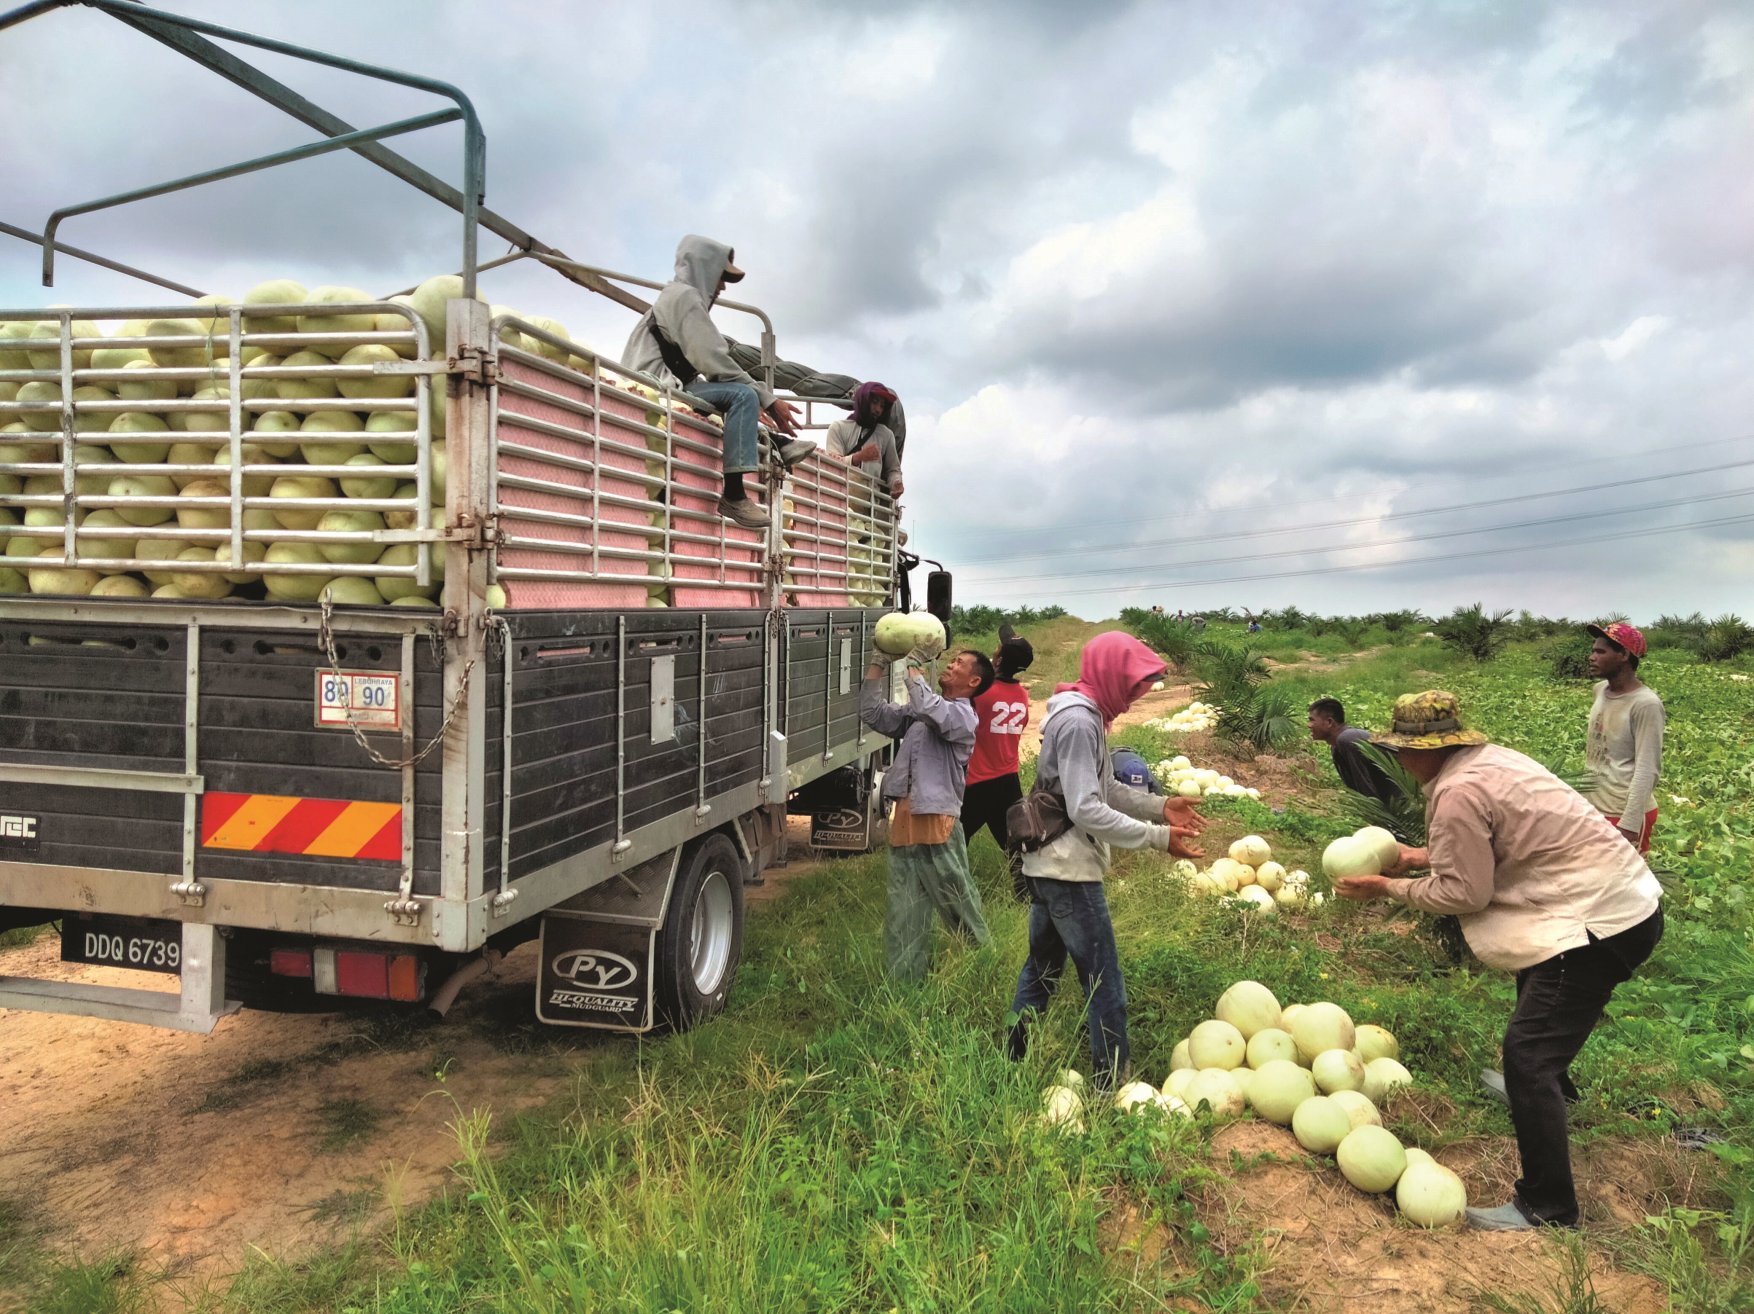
(1327, 722)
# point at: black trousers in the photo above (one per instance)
(1558, 1003)
(985, 804)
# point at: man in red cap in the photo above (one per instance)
(1625, 748)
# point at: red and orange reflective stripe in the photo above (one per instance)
(317, 827)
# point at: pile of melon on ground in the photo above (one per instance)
(1250, 876)
(1195, 716)
(1180, 776)
(1304, 1066)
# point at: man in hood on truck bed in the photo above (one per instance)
(677, 342)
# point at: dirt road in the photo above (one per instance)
(276, 1132)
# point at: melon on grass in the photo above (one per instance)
(1371, 1158)
(1337, 1069)
(1319, 1027)
(1381, 1076)
(1249, 1007)
(1216, 1088)
(1063, 1107)
(1320, 1124)
(1375, 1042)
(1271, 1043)
(1216, 1044)
(1178, 1057)
(1251, 850)
(1358, 1107)
(900, 632)
(1178, 1082)
(1134, 1096)
(1255, 898)
(1270, 876)
(1278, 1088)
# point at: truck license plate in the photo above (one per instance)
(141, 943)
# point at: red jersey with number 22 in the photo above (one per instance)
(1003, 711)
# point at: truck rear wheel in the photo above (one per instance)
(701, 941)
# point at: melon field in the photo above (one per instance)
(836, 1142)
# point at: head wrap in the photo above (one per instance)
(1111, 666)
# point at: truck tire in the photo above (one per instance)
(701, 941)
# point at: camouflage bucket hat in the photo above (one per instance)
(1428, 720)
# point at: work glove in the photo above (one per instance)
(921, 656)
(881, 658)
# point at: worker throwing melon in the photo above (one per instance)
(1543, 890)
(928, 854)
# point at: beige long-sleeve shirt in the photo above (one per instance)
(1625, 752)
(1528, 866)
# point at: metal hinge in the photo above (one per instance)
(475, 366)
(191, 892)
(476, 535)
(404, 910)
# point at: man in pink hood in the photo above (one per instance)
(1068, 915)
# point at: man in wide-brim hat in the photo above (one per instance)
(1542, 889)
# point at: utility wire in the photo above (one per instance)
(1639, 508)
(1660, 453)
(1392, 565)
(1361, 520)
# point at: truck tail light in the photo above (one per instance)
(289, 962)
(367, 973)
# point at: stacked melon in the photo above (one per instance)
(1180, 776)
(1249, 875)
(1309, 1068)
(1196, 716)
(360, 425)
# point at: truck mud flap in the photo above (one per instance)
(598, 951)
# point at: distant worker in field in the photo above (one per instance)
(1068, 916)
(1131, 769)
(866, 438)
(1544, 890)
(1001, 716)
(928, 853)
(1625, 746)
(1327, 723)
(676, 341)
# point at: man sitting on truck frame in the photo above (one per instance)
(928, 854)
(676, 341)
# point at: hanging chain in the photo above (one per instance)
(327, 636)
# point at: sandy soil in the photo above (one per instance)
(276, 1132)
(1337, 1249)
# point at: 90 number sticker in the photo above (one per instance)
(362, 698)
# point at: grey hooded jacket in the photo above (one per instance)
(1105, 814)
(683, 312)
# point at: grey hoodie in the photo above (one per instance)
(1074, 763)
(683, 312)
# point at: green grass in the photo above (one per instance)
(837, 1142)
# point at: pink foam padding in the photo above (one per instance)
(820, 569)
(565, 593)
(741, 550)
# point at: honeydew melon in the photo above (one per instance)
(1374, 1042)
(1351, 856)
(1270, 1044)
(1430, 1194)
(1338, 1069)
(1381, 1077)
(1277, 1088)
(1371, 1158)
(1217, 1089)
(1249, 1007)
(1216, 1044)
(1320, 1027)
(1320, 1123)
(899, 633)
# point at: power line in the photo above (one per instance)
(1392, 565)
(1666, 504)
(1667, 451)
(1366, 520)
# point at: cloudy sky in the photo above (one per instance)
(1328, 303)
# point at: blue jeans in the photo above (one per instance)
(1071, 917)
(741, 407)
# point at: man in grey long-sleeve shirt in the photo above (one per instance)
(677, 342)
(928, 854)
